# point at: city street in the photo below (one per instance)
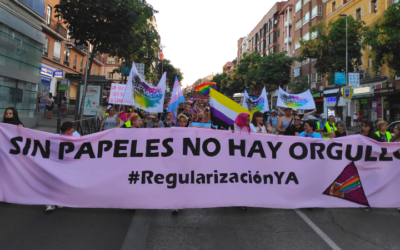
(29, 227)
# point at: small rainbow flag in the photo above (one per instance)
(350, 184)
(205, 87)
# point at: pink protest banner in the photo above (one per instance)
(117, 94)
(195, 168)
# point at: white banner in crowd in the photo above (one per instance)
(117, 94)
(144, 96)
(195, 168)
(261, 104)
(300, 101)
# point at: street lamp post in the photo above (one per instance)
(85, 83)
(347, 54)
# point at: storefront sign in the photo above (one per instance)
(316, 95)
(340, 78)
(92, 100)
(384, 91)
(332, 99)
(363, 90)
(364, 101)
(46, 71)
(58, 73)
(354, 80)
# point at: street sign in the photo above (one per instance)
(340, 78)
(354, 80)
(347, 93)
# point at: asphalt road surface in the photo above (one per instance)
(30, 227)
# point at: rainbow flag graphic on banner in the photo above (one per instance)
(205, 87)
(223, 110)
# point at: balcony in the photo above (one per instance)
(66, 63)
(290, 23)
(288, 40)
(56, 27)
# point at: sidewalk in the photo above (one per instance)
(49, 125)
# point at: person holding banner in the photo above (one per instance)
(168, 123)
(296, 128)
(396, 133)
(309, 130)
(154, 122)
(11, 117)
(241, 124)
(341, 130)
(183, 120)
(383, 135)
(329, 128)
(257, 123)
(367, 129)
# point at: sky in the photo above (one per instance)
(201, 36)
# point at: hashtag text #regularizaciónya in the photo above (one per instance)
(172, 179)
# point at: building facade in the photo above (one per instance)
(376, 96)
(21, 42)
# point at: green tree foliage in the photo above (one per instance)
(329, 48)
(384, 39)
(301, 85)
(166, 66)
(256, 72)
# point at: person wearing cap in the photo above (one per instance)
(273, 121)
(154, 122)
(285, 121)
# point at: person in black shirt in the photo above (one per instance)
(340, 130)
(367, 129)
(296, 128)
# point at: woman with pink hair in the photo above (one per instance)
(241, 123)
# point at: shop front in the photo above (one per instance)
(392, 111)
(367, 103)
(330, 100)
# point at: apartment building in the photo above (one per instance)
(307, 13)
(21, 42)
(377, 95)
(265, 37)
(61, 59)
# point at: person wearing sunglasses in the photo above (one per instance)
(296, 128)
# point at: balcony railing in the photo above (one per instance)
(66, 63)
(290, 23)
(57, 27)
(288, 40)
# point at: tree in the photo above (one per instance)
(384, 39)
(301, 85)
(115, 27)
(329, 47)
(166, 66)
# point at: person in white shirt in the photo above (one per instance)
(49, 106)
(355, 119)
(257, 123)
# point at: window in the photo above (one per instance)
(374, 6)
(316, 77)
(98, 71)
(297, 44)
(57, 51)
(298, 5)
(298, 24)
(358, 14)
(316, 11)
(279, 32)
(46, 47)
(94, 70)
(48, 15)
(306, 18)
(81, 66)
(306, 37)
(66, 54)
(305, 2)
(279, 50)
(314, 35)
(74, 63)
(109, 75)
(333, 6)
(344, 1)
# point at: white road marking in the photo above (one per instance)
(318, 230)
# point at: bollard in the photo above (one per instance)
(59, 125)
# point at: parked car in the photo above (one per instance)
(391, 127)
